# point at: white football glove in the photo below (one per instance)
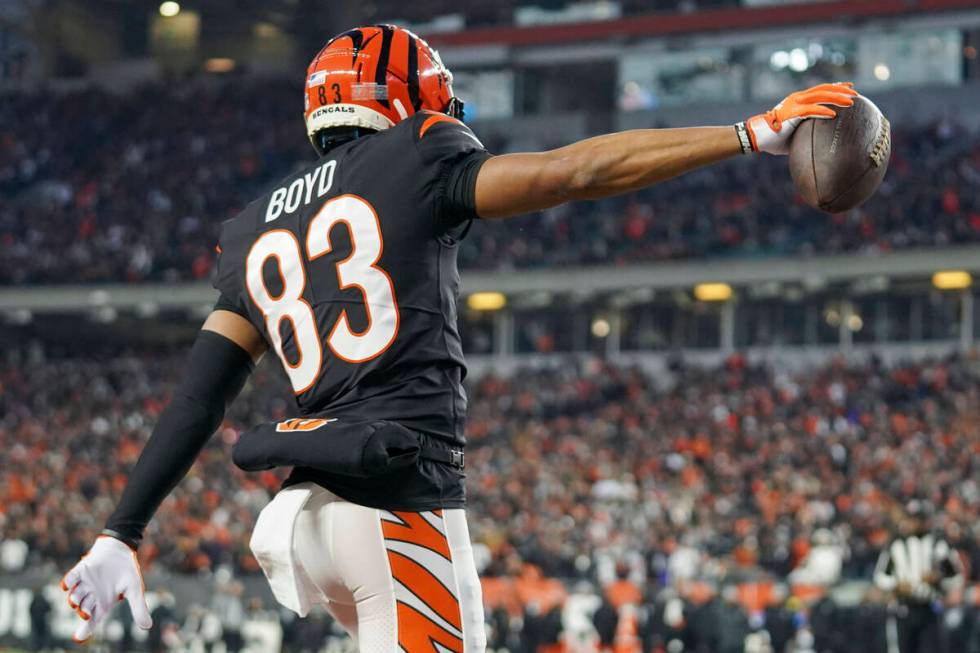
(104, 576)
(771, 131)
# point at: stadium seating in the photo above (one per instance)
(133, 188)
(577, 470)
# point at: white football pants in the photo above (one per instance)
(396, 581)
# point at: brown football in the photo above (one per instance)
(837, 164)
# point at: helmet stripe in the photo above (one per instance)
(356, 37)
(413, 73)
(381, 72)
(362, 46)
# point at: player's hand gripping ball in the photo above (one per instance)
(106, 575)
(771, 131)
(838, 164)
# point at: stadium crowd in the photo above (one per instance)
(586, 471)
(109, 188)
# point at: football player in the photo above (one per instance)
(347, 271)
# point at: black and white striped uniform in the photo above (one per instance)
(910, 559)
(906, 568)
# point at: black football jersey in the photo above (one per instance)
(348, 268)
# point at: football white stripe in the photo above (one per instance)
(388, 516)
(434, 520)
(435, 563)
(400, 108)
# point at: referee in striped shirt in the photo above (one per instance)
(918, 568)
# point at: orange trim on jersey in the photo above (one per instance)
(416, 530)
(433, 119)
(420, 634)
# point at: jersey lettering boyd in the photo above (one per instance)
(287, 199)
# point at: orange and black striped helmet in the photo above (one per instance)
(374, 77)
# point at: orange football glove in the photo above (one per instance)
(771, 131)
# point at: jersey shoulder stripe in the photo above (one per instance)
(432, 120)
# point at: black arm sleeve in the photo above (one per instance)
(215, 373)
(456, 190)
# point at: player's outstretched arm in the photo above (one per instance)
(604, 166)
(219, 363)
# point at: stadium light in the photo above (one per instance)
(486, 301)
(952, 280)
(601, 327)
(712, 292)
(779, 59)
(169, 9)
(882, 72)
(798, 61)
(219, 65)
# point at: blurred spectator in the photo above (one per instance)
(605, 620)
(666, 626)
(779, 621)
(163, 632)
(499, 631)
(822, 564)
(961, 622)
(231, 613)
(733, 624)
(13, 553)
(139, 194)
(202, 628)
(684, 562)
(623, 591)
(40, 610)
